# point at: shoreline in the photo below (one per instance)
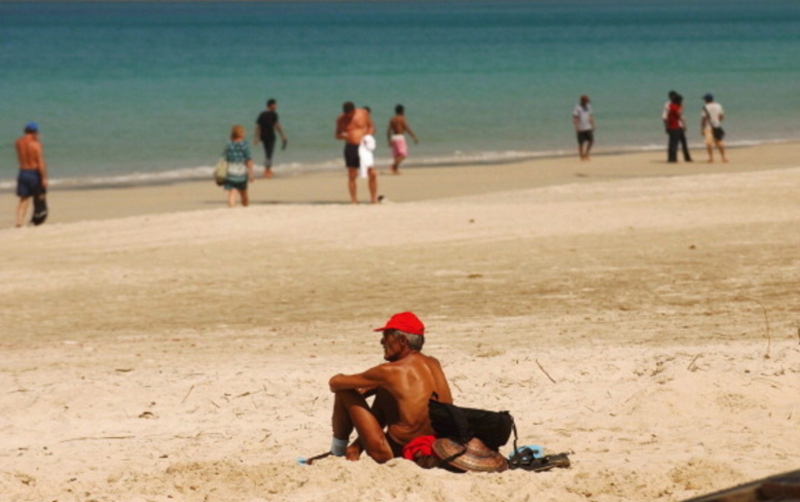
(290, 169)
(69, 205)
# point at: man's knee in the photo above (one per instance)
(380, 457)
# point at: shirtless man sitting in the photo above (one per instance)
(402, 387)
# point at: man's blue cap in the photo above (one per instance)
(31, 127)
(708, 97)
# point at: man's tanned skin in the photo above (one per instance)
(402, 388)
(398, 126)
(351, 126)
(30, 157)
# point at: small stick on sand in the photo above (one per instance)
(691, 364)
(100, 438)
(187, 394)
(544, 371)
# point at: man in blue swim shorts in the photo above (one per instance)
(32, 169)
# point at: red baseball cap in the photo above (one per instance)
(405, 321)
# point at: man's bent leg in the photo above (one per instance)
(351, 410)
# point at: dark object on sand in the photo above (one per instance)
(473, 456)
(780, 488)
(493, 428)
(527, 460)
(39, 207)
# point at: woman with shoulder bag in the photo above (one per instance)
(240, 166)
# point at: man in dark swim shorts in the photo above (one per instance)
(32, 177)
(351, 126)
(583, 120)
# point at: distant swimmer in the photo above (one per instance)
(32, 178)
(396, 134)
(583, 119)
(266, 125)
(351, 127)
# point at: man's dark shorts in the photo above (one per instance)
(29, 182)
(397, 448)
(351, 157)
(585, 136)
(269, 147)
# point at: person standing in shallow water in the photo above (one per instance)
(240, 167)
(266, 126)
(583, 119)
(32, 176)
(396, 134)
(711, 127)
(676, 130)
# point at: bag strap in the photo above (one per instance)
(708, 114)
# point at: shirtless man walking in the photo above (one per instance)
(396, 134)
(32, 169)
(351, 126)
(402, 387)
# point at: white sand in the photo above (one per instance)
(172, 352)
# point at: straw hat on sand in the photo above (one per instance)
(477, 457)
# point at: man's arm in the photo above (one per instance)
(257, 134)
(38, 159)
(411, 133)
(280, 130)
(341, 129)
(42, 169)
(371, 378)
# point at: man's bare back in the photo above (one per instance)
(29, 153)
(411, 382)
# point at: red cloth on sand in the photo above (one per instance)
(422, 445)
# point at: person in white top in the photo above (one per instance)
(583, 120)
(711, 127)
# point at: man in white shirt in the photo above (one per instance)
(711, 127)
(584, 126)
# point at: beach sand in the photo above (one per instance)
(645, 317)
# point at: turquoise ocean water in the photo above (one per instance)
(136, 92)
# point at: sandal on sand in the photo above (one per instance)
(525, 454)
(529, 463)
